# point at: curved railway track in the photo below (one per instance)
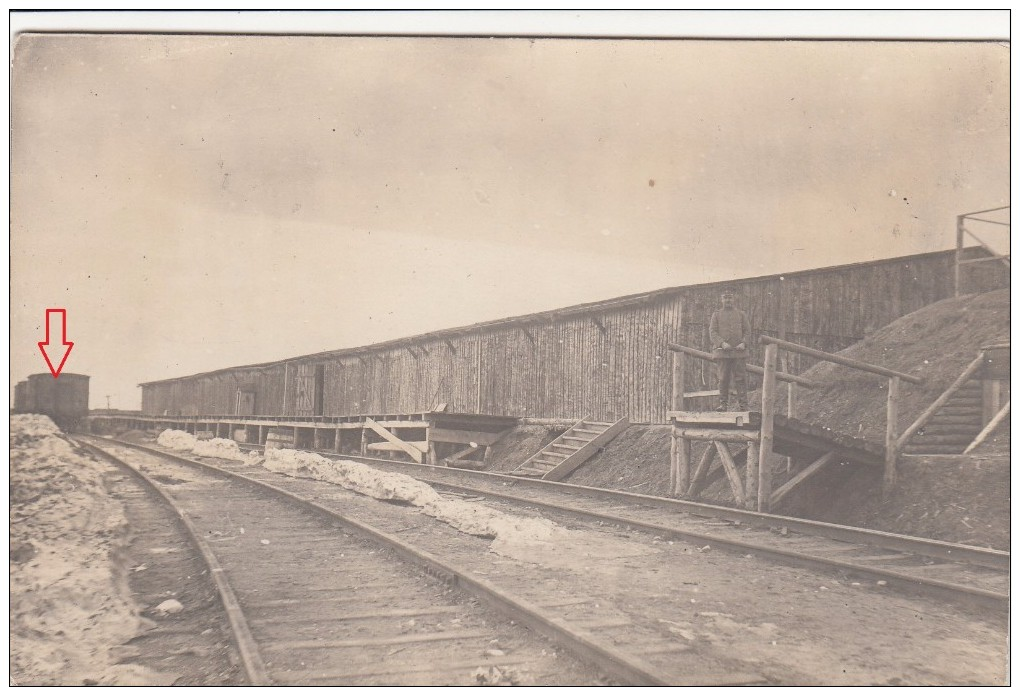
(954, 572)
(320, 587)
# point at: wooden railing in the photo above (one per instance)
(962, 231)
(892, 440)
(679, 390)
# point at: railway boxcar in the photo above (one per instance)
(65, 398)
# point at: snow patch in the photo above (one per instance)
(176, 439)
(69, 605)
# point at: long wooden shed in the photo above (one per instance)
(606, 359)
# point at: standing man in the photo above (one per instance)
(730, 333)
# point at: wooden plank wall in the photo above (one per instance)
(607, 363)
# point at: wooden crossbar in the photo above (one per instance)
(833, 358)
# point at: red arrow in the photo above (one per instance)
(56, 347)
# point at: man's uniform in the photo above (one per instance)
(731, 326)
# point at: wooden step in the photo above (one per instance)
(598, 424)
(543, 466)
(566, 446)
(558, 456)
(951, 427)
(587, 431)
(569, 438)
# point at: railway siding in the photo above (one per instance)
(694, 610)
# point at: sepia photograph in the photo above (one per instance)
(509, 348)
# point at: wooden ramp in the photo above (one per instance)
(572, 448)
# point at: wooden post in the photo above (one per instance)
(751, 486)
(364, 441)
(768, 418)
(731, 472)
(701, 470)
(337, 435)
(991, 390)
(478, 380)
(674, 459)
(430, 454)
(959, 250)
(683, 478)
(678, 380)
(891, 447)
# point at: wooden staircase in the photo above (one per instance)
(569, 450)
(953, 427)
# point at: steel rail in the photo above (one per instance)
(943, 550)
(254, 666)
(582, 643)
(907, 581)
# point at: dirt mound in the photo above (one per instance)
(936, 343)
(520, 444)
(636, 460)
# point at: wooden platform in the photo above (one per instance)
(716, 418)
(793, 437)
(413, 435)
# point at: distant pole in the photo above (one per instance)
(108, 401)
(959, 251)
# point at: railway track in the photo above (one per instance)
(967, 575)
(326, 586)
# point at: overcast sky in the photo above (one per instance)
(198, 202)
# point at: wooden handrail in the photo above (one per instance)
(781, 376)
(822, 355)
(940, 401)
(988, 248)
(989, 428)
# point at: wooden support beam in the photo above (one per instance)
(402, 445)
(463, 453)
(991, 390)
(811, 469)
(678, 380)
(751, 472)
(464, 436)
(698, 476)
(410, 349)
(422, 446)
(768, 419)
(599, 323)
(450, 345)
(683, 475)
(989, 428)
(731, 472)
(524, 330)
(891, 444)
(701, 394)
(674, 459)
(717, 434)
(784, 376)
